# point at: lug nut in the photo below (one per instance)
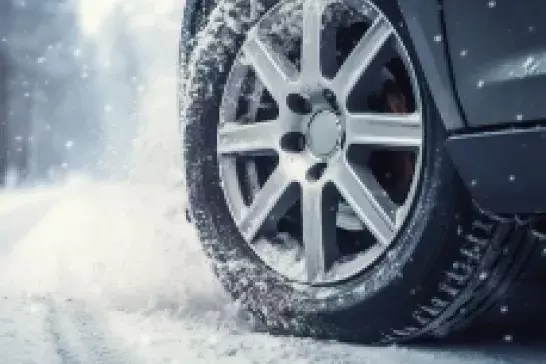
(316, 172)
(299, 104)
(293, 142)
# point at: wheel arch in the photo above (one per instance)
(424, 21)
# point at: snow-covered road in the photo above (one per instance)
(112, 273)
(96, 272)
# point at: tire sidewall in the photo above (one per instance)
(382, 295)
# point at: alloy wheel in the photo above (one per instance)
(319, 167)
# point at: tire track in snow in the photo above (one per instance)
(81, 336)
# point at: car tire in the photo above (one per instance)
(448, 263)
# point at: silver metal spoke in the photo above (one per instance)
(277, 195)
(361, 57)
(311, 41)
(272, 68)
(236, 138)
(319, 230)
(368, 199)
(311, 139)
(398, 130)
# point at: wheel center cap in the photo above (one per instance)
(325, 133)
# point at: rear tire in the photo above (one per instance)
(448, 261)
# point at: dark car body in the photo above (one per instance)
(484, 62)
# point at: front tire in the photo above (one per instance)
(422, 284)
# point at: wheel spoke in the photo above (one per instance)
(272, 68)
(319, 230)
(312, 48)
(277, 195)
(368, 199)
(361, 57)
(236, 138)
(398, 130)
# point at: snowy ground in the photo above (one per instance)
(112, 273)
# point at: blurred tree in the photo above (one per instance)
(119, 81)
(4, 15)
(51, 97)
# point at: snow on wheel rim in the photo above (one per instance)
(299, 136)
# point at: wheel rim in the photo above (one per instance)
(297, 138)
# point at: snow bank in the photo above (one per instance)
(125, 246)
